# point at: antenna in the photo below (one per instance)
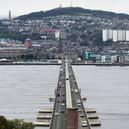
(60, 5)
(71, 3)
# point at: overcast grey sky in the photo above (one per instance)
(19, 7)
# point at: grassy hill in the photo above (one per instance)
(72, 11)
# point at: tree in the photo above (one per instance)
(3, 123)
(108, 42)
(14, 124)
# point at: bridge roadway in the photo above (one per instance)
(68, 97)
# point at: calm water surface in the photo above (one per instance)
(107, 90)
(25, 89)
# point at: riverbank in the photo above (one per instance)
(100, 64)
(29, 63)
(55, 63)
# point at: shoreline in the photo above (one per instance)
(93, 64)
(25, 63)
(42, 63)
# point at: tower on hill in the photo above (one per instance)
(10, 15)
(71, 3)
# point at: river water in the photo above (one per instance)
(26, 89)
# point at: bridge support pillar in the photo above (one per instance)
(72, 118)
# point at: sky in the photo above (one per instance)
(19, 7)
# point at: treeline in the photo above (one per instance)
(19, 36)
(14, 124)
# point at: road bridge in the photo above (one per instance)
(68, 111)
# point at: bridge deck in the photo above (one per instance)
(67, 97)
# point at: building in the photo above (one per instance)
(57, 34)
(27, 43)
(115, 35)
(121, 36)
(127, 35)
(10, 52)
(105, 37)
(110, 34)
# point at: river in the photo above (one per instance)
(26, 89)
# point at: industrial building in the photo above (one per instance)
(9, 52)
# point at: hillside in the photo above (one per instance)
(72, 11)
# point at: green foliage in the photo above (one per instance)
(12, 35)
(14, 124)
(3, 123)
(108, 43)
(18, 36)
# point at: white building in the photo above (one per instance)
(103, 59)
(127, 35)
(116, 35)
(105, 37)
(113, 59)
(57, 34)
(124, 35)
(110, 34)
(120, 35)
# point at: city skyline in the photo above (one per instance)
(24, 7)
